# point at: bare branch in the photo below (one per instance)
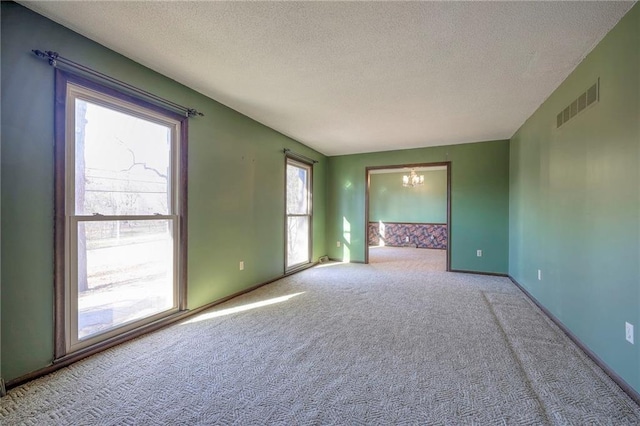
(135, 163)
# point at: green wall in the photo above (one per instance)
(236, 186)
(479, 201)
(575, 202)
(389, 201)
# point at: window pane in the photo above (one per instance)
(125, 272)
(297, 190)
(297, 240)
(122, 163)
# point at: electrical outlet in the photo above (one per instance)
(479, 253)
(242, 265)
(628, 328)
(539, 274)
(406, 239)
(337, 243)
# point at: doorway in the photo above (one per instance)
(408, 206)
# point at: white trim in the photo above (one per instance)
(309, 215)
(73, 92)
(100, 217)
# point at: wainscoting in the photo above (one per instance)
(421, 235)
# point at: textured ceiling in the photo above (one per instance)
(351, 77)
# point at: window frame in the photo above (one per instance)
(298, 162)
(68, 88)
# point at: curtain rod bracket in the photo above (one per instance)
(49, 55)
(287, 151)
(193, 112)
(55, 59)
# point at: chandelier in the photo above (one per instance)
(412, 179)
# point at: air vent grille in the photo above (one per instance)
(590, 96)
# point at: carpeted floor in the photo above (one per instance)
(406, 258)
(385, 343)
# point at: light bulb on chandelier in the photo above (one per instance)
(412, 179)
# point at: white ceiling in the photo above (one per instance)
(352, 77)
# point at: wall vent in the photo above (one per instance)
(590, 96)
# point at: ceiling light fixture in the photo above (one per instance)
(412, 179)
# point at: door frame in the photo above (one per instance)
(368, 170)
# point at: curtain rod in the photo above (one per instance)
(287, 151)
(55, 60)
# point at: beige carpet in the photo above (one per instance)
(398, 258)
(386, 343)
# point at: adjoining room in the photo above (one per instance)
(408, 215)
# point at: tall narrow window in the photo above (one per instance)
(298, 226)
(122, 221)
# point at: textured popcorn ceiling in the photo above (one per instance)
(357, 77)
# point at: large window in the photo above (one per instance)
(122, 202)
(298, 226)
